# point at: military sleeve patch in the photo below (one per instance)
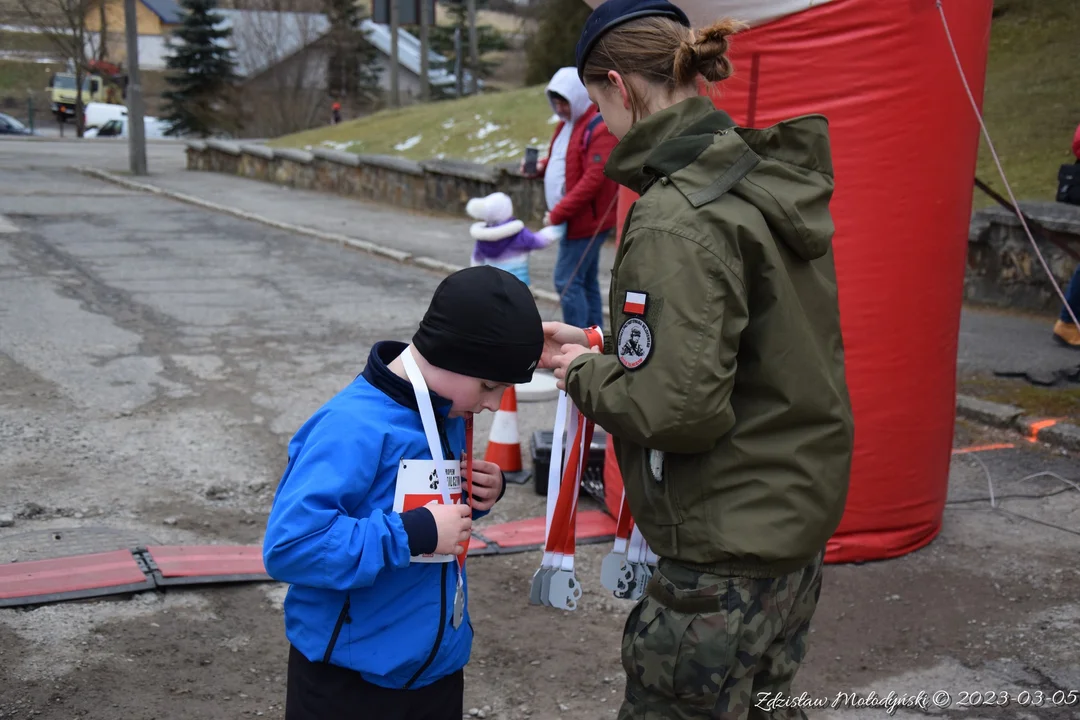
(635, 343)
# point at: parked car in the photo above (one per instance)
(11, 126)
(152, 128)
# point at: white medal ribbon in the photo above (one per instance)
(431, 432)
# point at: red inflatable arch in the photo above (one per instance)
(904, 141)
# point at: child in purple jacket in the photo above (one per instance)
(501, 240)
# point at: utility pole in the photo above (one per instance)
(103, 40)
(135, 114)
(474, 47)
(425, 74)
(395, 97)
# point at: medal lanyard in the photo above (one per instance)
(555, 583)
(555, 473)
(582, 442)
(561, 495)
(431, 431)
(624, 527)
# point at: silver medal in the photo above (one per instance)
(459, 605)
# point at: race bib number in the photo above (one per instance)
(418, 485)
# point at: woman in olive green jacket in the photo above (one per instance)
(722, 383)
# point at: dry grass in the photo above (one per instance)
(1032, 98)
(1055, 402)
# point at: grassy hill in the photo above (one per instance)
(1032, 108)
(487, 129)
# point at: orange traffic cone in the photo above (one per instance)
(504, 445)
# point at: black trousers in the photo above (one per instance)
(319, 691)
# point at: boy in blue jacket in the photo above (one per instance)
(371, 514)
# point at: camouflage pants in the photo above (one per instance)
(704, 646)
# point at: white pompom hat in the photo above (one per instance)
(494, 209)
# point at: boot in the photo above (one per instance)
(1067, 334)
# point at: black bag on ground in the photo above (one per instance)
(1069, 184)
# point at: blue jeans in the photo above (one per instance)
(582, 305)
(1072, 295)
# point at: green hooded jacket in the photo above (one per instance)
(725, 395)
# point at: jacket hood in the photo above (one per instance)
(785, 170)
(565, 82)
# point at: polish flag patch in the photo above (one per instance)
(635, 303)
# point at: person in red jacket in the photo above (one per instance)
(585, 202)
(1066, 330)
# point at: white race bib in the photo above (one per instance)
(418, 484)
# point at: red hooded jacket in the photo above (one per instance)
(589, 205)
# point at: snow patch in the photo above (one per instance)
(409, 144)
(488, 128)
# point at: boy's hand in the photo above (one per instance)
(454, 523)
(487, 484)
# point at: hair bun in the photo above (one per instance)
(710, 48)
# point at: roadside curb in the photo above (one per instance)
(405, 258)
(1052, 431)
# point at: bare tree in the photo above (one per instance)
(63, 22)
(282, 53)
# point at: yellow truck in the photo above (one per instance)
(62, 93)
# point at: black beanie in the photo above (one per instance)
(483, 323)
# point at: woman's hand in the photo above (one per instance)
(557, 335)
(487, 481)
(568, 354)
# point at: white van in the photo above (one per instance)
(96, 114)
(152, 128)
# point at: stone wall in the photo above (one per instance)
(1003, 269)
(436, 186)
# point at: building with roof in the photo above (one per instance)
(284, 60)
(288, 45)
(262, 40)
(156, 20)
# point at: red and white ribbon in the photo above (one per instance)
(554, 583)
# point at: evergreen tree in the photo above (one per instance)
(353, 73)
(202, 73)
(488, 40)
